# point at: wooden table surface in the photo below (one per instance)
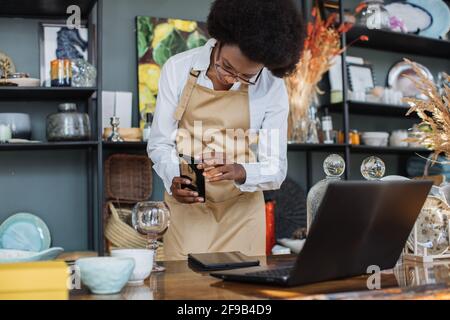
(179, 281)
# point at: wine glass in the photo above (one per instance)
(152, 219)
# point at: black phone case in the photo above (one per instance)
(189, 170)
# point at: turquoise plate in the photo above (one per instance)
(24, 231)
(440, 12)
(15, 256)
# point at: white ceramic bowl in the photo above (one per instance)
(20, 124)
(378, 139)
(105, 275)
(143, 259)
(394, 178)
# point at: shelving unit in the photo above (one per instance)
(399, 42)
(95, 149)
(385, 41)
(55, 10)
(43, 93)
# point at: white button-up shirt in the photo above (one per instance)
(269, 110)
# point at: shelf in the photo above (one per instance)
(315, 147)
(45, 93)
(291, 146)
(400, 42)
(386, 150)
(124, 145)
(370, 108)
(43, 8)
(48, 146)
(299, 147)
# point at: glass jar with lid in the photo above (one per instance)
(374, 15)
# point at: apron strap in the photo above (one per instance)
(186, 95)
(243, 87)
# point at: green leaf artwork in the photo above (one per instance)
(169, 46)
(145, 34)
(157, 39)
(196, 39)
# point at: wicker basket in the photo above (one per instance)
(121, 235)
(128, 178)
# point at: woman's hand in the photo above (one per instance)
(184, 195)
(235, 172)
(218, 167)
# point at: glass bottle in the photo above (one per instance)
(327, 128)
(313, 126)
(147, 126)
(334, 167)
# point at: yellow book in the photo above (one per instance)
(34, 280)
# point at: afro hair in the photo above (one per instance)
(270, 32)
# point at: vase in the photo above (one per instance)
(306, 129)
(299, 132)
(68, 124)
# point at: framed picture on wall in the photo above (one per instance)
(360, 77)
(57, 41)
(157, 40)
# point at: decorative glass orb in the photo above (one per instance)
(432, 227)
(373, 168)
(334, 167)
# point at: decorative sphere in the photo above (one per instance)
(432, 231)
(373, 168)
(334, 165)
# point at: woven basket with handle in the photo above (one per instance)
(122, 235)
(128, 180)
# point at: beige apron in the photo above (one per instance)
(229, 220)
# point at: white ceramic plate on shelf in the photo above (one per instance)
(398, 81)
(26, 82)
(415, 18)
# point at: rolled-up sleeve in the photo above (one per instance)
(161, 146)
(270, 170)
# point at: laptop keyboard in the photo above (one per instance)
(272, 273)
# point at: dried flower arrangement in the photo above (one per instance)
(434, 113)
(5, 65)
(322, 44)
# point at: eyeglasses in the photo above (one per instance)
(225, 72)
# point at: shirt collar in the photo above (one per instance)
(203, 58)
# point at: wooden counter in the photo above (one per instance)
(405, 281)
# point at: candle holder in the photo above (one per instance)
(115, 136)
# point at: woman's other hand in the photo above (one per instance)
(184, 195)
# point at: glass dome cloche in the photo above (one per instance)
(374, 15)
(334, 168)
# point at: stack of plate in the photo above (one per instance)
(25, 237)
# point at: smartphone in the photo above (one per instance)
(189, 170)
